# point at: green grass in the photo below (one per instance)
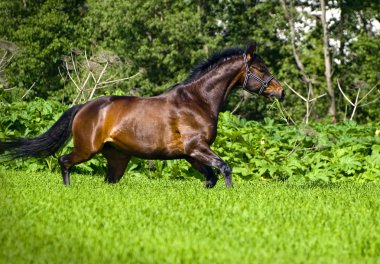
(173, 221)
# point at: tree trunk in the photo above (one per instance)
(328, 72)
(300, 66)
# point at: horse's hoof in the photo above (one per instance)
(229, 185)
(209, 184)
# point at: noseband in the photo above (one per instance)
(249, 74)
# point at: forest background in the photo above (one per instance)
(72, 51)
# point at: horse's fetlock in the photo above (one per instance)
(226, 169)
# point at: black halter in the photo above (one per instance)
(249, 74)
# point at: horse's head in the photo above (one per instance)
(257, 78)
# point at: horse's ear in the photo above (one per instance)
(251, 48)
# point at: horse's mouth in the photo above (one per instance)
(278, 96)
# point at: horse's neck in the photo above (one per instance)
(214, 86)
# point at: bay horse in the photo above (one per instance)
(181, 123)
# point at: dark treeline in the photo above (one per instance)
(71, 51)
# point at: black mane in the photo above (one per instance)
(204, 66)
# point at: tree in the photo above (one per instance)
(357, 51)
(43, 31)
(328, 70)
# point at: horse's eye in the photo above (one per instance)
(260, 69)
(263, 68)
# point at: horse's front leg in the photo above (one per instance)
(202, 153)
(207, 171)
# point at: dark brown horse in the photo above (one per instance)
(178, 124)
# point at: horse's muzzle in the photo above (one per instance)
(280, 96)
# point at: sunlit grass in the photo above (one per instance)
(154, 221)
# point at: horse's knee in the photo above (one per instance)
(69, 160)
(64, 163)
(64, 169)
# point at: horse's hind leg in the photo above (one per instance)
(69, 160)
(211, 178)
(117, 162)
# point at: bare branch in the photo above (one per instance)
(356, 104)
(3, 58)
(372, 102)
(307, 101)
(4, 61)
(357, 101)
(76, 98)
(294, 91)
(119, 80)
(8, 89)
(97, 82)
(370, 91)
(93, 71)
(28, 91)
(340, 89)
(8, 46)
(71, 78)
(89, 67)
(75, 69)
(318, 97)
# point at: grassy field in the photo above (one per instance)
(173, 221)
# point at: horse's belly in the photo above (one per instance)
(148, 142)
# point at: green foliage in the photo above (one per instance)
(254, 150)
(142, 220)
(44, 31)
(317, 153)
(29, 119)
(165, 39)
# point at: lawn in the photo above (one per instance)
(143, 220)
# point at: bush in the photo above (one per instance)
(254, 150)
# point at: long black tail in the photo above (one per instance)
(46, 144)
